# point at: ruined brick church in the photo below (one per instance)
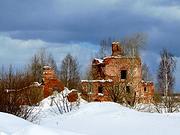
(117, 70)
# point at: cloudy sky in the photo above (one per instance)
(77, 26)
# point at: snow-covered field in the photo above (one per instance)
(12, 125)
(94, 119)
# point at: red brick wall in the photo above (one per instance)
(91, 92)
(51, 82)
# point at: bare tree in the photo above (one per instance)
(133, 44)
(166, 81)
(52, 63)
(69, 72)
(60, 103)
(122, 93)
(39, 60)
(36, 68)
(105, 48)
(146, 76)
(16, 92)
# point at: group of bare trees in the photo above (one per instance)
(131, 45)
(68, 72)
(17, 88)
(104, 48)
(18, 93)
(40, 59)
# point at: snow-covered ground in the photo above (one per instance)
(12, 125)
(103, 118)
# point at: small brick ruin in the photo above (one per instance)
(117, 69)
(51, 83)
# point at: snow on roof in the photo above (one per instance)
(46, 67)
(121, 56)
(36, 84)
(116, 42)
(146, 82)
(109, 80)
(99, 60)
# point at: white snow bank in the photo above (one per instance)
(61, 96)
(12, 125)
(96, 118)
(38, 130)
(112, 119)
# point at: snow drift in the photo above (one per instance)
(96, 118)
(110, 118)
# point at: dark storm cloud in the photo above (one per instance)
(82, 21)
(26, 15)
(64, 21)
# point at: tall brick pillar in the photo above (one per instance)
(51, 82)
(116, 49)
